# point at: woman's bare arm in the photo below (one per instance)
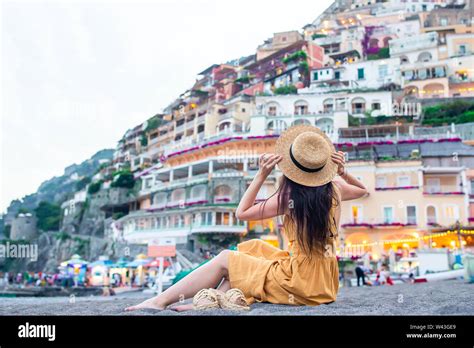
(247, 210)
(350, 187)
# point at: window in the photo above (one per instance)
(376, 106)
(383, 70)
(148, 182)
(315, 76)
(431, 215)
(387, 215)
(403, 181)
(462, 49)
(337, 75)
(472, 186)
(452, 213)
(356, 211)
(360, 74)
(381, 182)
(444, 21)
(272, 110)
(411, 214)
(358, 107)
(433, 185)
(209, 218)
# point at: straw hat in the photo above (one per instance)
(306, 155)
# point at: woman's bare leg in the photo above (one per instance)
(208, 275)
(224, 286)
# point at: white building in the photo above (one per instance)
(418, 48)
(415, 6)
(70, 206)
(329, 112)
(373, 74)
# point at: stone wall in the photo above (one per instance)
(23, 227)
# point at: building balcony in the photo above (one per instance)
(222, 199)
(457, 80)
(443, 190)
(180, 129)
(397, 188)
(389, 223)
(328, 40)
(407, 80)
(145, 234)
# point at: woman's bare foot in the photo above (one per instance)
(152, 303)
(182, 308)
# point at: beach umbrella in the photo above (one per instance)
(137, 263)
(75, 261)
(121, 263)
(105, 263)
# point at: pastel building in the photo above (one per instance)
(406, 202)
(374, 74)
(193, 198)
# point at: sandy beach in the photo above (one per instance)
(454, 297)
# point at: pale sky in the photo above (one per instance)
(77, 74)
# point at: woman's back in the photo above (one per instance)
(291, 231)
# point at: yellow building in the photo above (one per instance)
(406, 204)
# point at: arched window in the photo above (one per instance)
(373, 43)
(273, 108)
(301, 107)
(222, 194)
(160, 199)
(386, 41)
(431, 215)
(358, 105)
(178, 195)
(277, 125)
(328, 105)
(425, 57)
(433, 90)
(198, 192)
(326, 125)
(300, 121)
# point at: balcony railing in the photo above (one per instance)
(443, 190)
(222, 199)
(388, 222)
(180, 128)
(296, 116)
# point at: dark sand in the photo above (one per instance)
(454, 297)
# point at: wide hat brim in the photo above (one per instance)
(288, 167)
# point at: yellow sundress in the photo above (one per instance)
(268, 274)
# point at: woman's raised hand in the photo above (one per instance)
(340, 159)
(267, 162)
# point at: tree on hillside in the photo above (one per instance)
(49, 216)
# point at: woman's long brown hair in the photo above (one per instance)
(310, 210)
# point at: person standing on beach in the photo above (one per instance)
(309, 198)
(360, 274)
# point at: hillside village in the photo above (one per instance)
(390, 82)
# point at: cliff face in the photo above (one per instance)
(54, 248)
(58, 188)
(80, 233)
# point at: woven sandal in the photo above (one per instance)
(205, 299)
(235, 300)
